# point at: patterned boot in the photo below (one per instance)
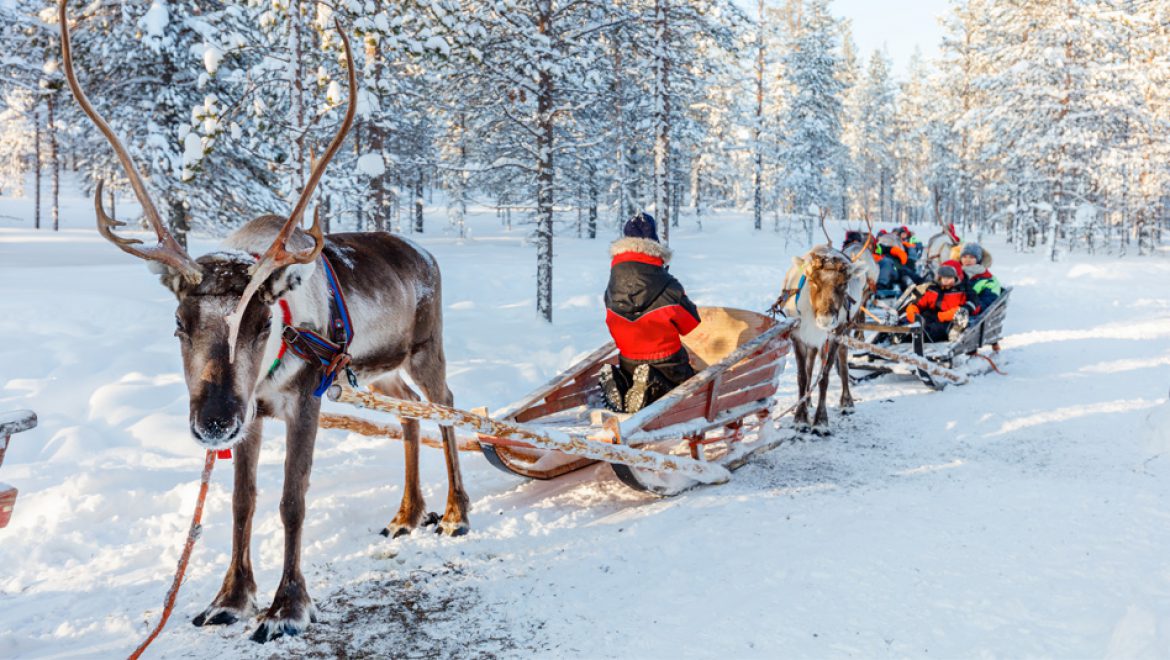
(613, 385)
(636, 395)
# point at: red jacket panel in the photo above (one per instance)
(647, 310)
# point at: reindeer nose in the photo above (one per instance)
(215, 432)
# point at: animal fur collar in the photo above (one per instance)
(642, 245)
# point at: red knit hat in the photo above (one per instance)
(955, 267)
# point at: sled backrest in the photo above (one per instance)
(723, 330)
(986, 329)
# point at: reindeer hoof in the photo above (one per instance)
(453, 527)
(847, 410)
(431, 518)
(395, 530)
(270, 629)
(822, 431)
(222, 618)
(219, 615)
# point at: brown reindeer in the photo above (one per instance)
(824, 289)
(392, 294)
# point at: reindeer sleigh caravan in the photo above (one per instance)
(936, 364)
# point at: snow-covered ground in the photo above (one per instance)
(1019, 515)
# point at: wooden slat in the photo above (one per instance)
(764, 372)
(734, 399)
(726, 417)
(711, 405)
(551, 407)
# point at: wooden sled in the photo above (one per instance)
(12, 422)
(738, 355)
(985, 330)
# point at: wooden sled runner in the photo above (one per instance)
(984, 330)
(738, 355)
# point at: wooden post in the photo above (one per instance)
(912, 360)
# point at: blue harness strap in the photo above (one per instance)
(800, 287)
(330, 354)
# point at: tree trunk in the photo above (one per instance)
(296, 76)
(662, 117)
(591, 227)
(37, 166)
(697, 192)
(180, 223)
(379, 193)
(544, 175)
(757, 130)
(54, 162)
(418, 201)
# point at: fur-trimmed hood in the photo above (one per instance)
(641, 245)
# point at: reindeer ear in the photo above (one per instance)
(284, 281)
(170, 278)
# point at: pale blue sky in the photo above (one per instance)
(898, 25)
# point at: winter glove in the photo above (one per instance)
(912, 313)
(947, 315)
(972, 308)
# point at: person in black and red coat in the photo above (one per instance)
(647, 313)
(944, 306)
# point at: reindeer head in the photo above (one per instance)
(220, 388)
(827, 279)
(221, 324)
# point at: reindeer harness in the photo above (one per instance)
(331, 354)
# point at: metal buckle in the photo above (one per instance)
(290, 335)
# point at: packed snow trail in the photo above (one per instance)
(1013, 516)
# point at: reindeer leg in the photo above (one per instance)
(292, 609)
(237, 597)
(429, 369)
(802, 372)
(843, 372)
(828, 357)
(413, 508)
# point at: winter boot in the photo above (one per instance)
(649, 385)
(959, 324)
(614, 384)
(636, 395)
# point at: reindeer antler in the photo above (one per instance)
(868, 237)
(278, 255)
(825, 214)
(168, 251)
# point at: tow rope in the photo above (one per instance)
(192, 535)
(991, 362)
